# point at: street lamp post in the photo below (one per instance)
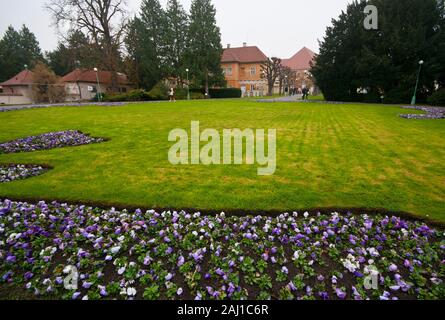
(188, 84)
(286, 86)
(99, 92)
(413, 101)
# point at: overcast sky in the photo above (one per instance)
(279, 27)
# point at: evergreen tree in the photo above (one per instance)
(176, 39)
(146, 45)
(76, 52)
(17, 49)
(383, 61)
(205, 50)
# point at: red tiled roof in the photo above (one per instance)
(243, 55)
(79, 75)
(301, 60)
(21, 79)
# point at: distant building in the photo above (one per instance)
(301, 64)
(17, 90)
(242, 69)
(79, 84)
(83, 84)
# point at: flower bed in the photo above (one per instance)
(177, 255)
(430, 113)
(13, 172)
(48, 141)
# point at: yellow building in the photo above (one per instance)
(242, 69)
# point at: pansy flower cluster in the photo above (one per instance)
(10, 173)
(48, 141)
(77, 252)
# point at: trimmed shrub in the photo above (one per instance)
(225, 93)
(397, 95)
(372, 97)
(159, 92)
(437, 98)
(197, 95)
(102, 97)
(138, 95)
(181, 94)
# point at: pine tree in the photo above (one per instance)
(205, 50)
(146, 45)
(383, 61)
(17, 50)
(76, 52)
(176, 38)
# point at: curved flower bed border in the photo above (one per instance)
(12, 172)
(431, 113)
(177, 255)
(47, 141)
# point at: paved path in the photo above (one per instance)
(297, 98)
(72, 104)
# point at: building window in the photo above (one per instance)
(1, 89)
(228, 71)
(124, 90)
(92, 89)
(252, 71)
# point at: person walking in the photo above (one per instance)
(171, 95)
(305, 93)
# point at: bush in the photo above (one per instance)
(134, 95)
(372, 97)
(437, 98)
(159, 92)
(195, 94)
(138, 95)
(397, 95)
(181, 93)
(225, 93)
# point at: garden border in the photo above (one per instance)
(103, 205)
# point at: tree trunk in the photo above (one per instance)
(270, 89)
(207, 84)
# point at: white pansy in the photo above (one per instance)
(115, 250)
(131, 292)
(350, 263)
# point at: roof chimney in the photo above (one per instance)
(244, 44)
(228, 46)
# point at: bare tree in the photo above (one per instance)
(46, 86)
(103, 20)
(286, 77)
(304, 79)
(270, 71)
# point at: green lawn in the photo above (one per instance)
(328, 156)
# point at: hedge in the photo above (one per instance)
(160, 92)
(225, 93)
(437, 98)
